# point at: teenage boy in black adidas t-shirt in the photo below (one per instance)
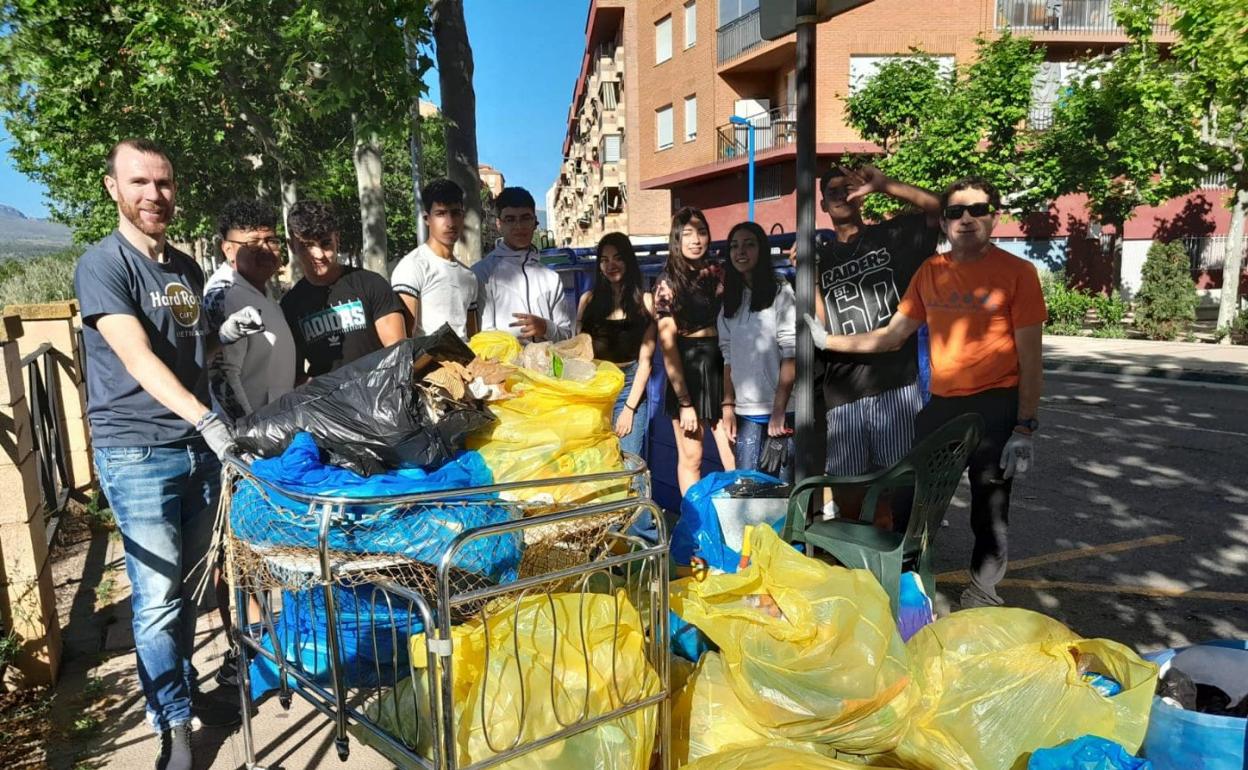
(862, 275)
(336, 313)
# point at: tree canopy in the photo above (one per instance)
(244, 96)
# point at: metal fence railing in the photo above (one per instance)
(1208, 252)
(48, 432)
(1064, 16)
(738, 36)
(774, 128)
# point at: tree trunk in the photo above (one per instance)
(415, 149)
(459, 107)
(415, 143)
(1233, 265)
(290, 194)
(367, 159)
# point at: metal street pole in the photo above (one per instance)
(810, 442)
(737, 120)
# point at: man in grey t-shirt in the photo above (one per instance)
(156, 444)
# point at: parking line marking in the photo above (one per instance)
(1101, 588)
(1082, 552)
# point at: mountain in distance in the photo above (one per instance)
(23, 236)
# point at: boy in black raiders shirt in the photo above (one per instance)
(337, 313)
(862, 275)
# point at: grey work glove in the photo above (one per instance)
(243, 323)
(1016, 457)
(217, 433)
(816, 330)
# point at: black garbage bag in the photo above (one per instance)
(368, 416)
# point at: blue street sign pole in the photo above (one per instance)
(749, 152)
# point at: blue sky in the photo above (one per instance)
(527, 54)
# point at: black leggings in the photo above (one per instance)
(990, 490)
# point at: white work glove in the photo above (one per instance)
(1016, 457)
(243, 323)
(816, 330)
(217, 433)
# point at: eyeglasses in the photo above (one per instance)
(975, 209)
(271, 243)
(523, 219)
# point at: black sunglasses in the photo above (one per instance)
(976, 209)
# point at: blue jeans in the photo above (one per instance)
(635, 442)
(165, 502)
(751, 436)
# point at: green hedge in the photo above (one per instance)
(1068, 307)
(46, 278)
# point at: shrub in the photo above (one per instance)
(1067, 307)
(1165, 305)
(41, 279)
(1237, 330)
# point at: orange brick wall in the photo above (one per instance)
(880, 28)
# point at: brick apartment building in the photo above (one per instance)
(598, 189)
(685, 67)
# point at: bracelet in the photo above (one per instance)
(686, 404)
(204, 419)
(729, 403)
(631, 408)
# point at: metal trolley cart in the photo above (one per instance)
(332, 591)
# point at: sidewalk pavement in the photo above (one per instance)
(1191, 361)
(298, 739)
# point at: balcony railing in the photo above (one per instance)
(1208, 252)
(1094, 16)
(775, 128)
(738, 36)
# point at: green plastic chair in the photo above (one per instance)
(933, 468)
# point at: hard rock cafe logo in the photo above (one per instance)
(181, 301)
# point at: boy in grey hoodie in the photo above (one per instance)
(518, 293)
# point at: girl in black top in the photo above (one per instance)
(687, 299)
(618, 315)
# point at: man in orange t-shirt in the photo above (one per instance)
(984, 311)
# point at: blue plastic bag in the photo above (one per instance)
(263, 516)
(373, 632)
(698, 532)
(914, 609)
(1087, 753)
(1179, 739)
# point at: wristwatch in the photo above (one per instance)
(1031, 425)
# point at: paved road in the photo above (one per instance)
(1151, 478)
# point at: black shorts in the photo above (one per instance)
(703, 367)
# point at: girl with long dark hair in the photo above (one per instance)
(687, 301)
(618, 315)
(757, 336)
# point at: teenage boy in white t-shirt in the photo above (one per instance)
(435, 287)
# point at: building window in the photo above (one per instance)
(691, 23)
(663, 40)
(863, 68)
(663, 126)
(767, 183)
(612, 145)
(691, 118)
(731, 10)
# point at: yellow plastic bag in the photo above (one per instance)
(500, 346)
(707, 717)
(558, 688)
(812, 650)
(1000, 683)
(555, 428)
(770, 758)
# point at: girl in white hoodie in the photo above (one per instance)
(757, 335)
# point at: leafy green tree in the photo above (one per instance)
(246, 96)
(1165, 305)
(1119, 135)
(1212, 52)
(935, 128)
